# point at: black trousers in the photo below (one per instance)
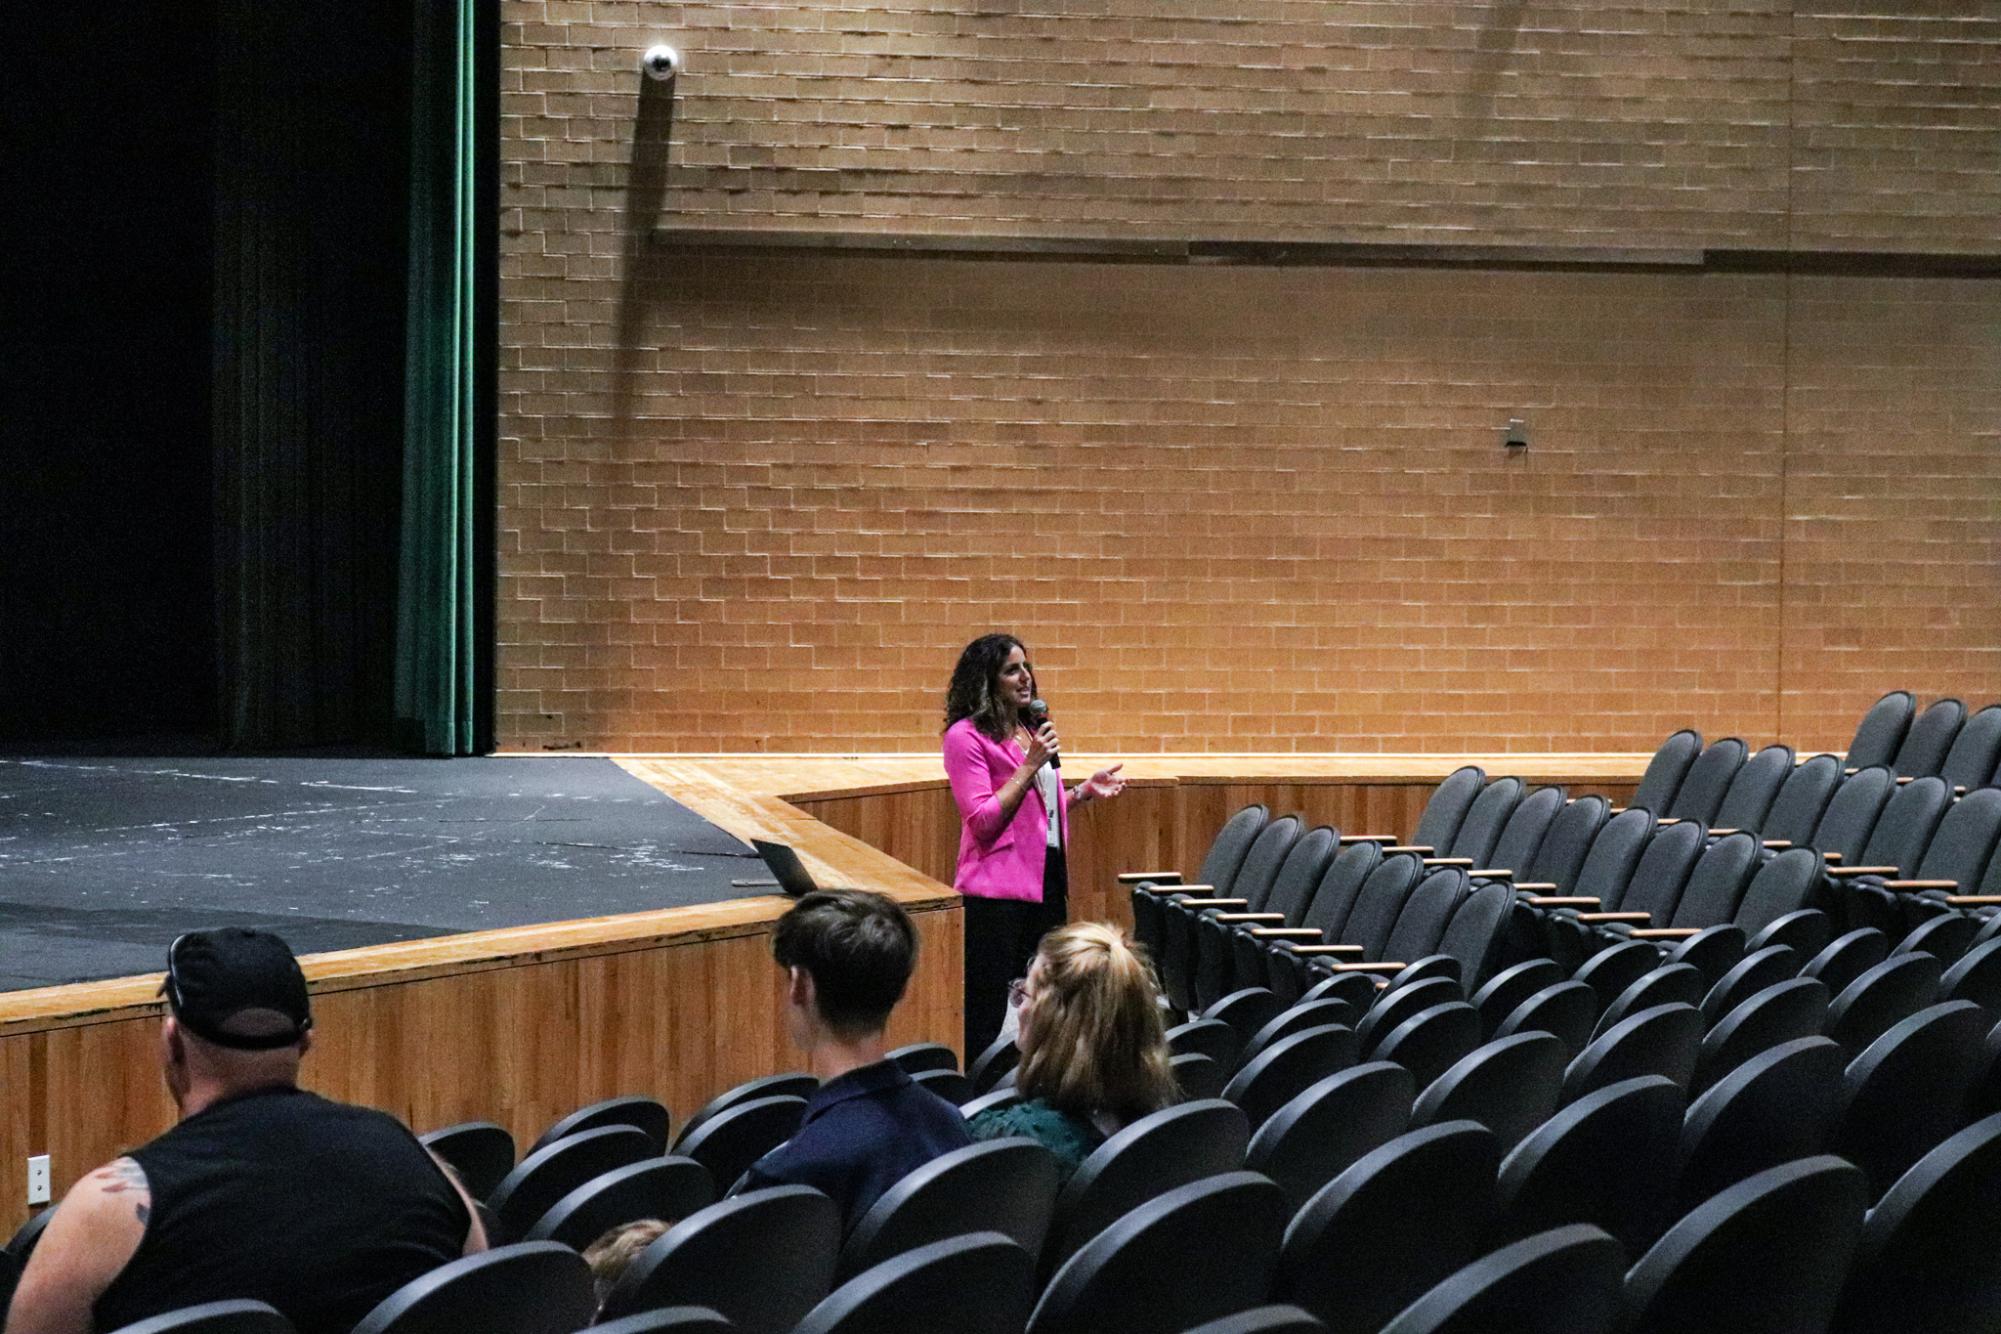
(1001, 936)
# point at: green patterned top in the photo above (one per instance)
(1070, 1138)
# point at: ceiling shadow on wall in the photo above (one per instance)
(1494, 49)
(645, 197)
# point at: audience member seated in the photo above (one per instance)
(262, 1191)
(848, 955)
(613, 1253)
(1094, 1053)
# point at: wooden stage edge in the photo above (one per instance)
(521, 1025)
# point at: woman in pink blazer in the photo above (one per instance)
(1016, 823)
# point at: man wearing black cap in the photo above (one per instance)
(262, 1191)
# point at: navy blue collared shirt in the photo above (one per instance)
(863, 1133)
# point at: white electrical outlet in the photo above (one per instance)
(38, 1179)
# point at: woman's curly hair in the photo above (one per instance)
(971, 694)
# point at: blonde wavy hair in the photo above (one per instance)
(1095, 1038)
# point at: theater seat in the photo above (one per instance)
(1566, 1281)
(1766, 1256)
(1323, 1131)
(763, 1259)
(1198, 1252)
(534, 1287)
(1005, 1185)
(481, 1152)
(668, 1188)
(978, 1283)
(233, 1317)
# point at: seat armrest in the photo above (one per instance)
(1209, 905)
(1973, 900)
(1250, 917)
(1915, 885)
(1326, 949)
(1667, 819)
(1492, 873)
(1722, 833)
(1346, 839)
(1562, 901)
(1664, 933)
(1188, 891)
(1370, 967)
(1830, 856)
(1420, 849)
(1862, 870)
(1775, 844)
(1615, 917)
(1449, 861)
(1535, 886)
(1285, 933)
(1143, 877)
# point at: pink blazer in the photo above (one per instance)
(996, 860)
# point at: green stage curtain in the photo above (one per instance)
(437, 612)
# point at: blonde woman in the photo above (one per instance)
(1093, 1050)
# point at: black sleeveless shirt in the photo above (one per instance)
(281, 1196)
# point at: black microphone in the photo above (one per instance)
(1039, 711)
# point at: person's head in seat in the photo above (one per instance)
(261, 1189)
(238, 1016)
(847, 956)
(1091, 1037)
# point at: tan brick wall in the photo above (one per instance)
(759, 502)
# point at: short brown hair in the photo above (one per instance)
(1098, 1043)
(613, 1253)
(859, 949)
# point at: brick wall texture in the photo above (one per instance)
(756, 501)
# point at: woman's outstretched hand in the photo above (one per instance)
(1103, 784)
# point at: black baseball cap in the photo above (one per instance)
(214, 976)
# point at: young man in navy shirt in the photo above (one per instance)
(848, 955)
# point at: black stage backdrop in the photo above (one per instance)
(205, 370)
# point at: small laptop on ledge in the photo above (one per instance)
(791, 874)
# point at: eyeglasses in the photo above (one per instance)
(1018, 993)
(172, 986)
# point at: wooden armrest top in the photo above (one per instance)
(1615, 917)
(1720, 833)
(1368, 838)
(1192, 891)
(1370, 967)
(1863, 870)
(1667, 819)
(1285, 933)
(1562, 901)
(1905, 778)
(1921, 884)
(1448, 861)
(1492, 873)
(1250, 917)
(1419, 848)
(1533, 886)
(1141, 877)
(1664, 933)
(1326, 949)
(1830, 856)
(1777, 843)
(1972, 900)
(1209, 902)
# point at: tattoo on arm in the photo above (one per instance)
(124, 1176)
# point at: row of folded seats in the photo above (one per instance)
(1400, 1159)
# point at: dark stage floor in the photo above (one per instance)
(104, 860)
